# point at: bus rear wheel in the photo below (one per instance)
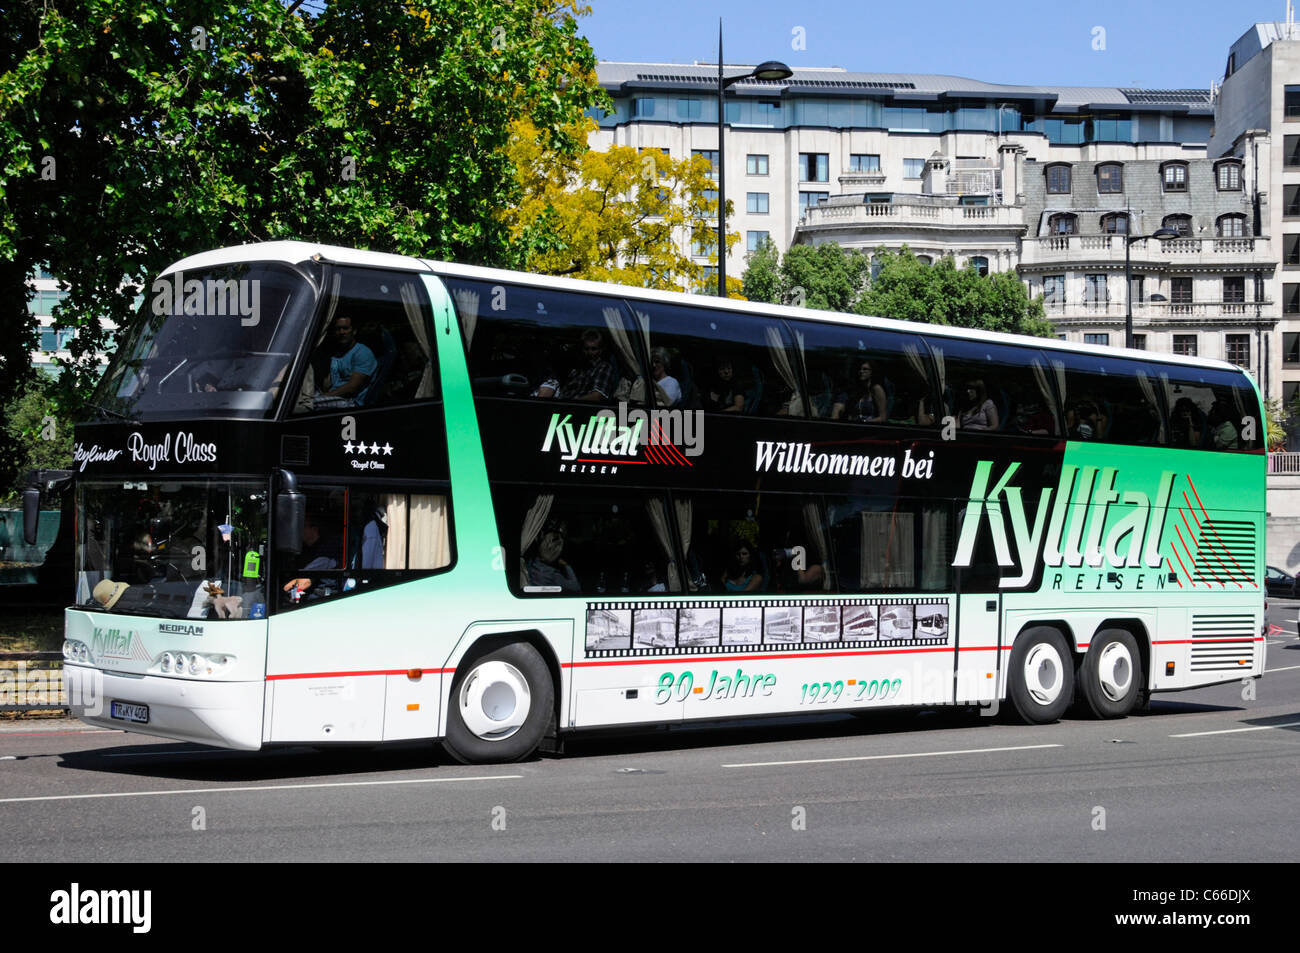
(1111, 674)
(500, 705)
(1042, 676)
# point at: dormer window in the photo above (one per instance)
(1058, 179)
(1227, 175)
(1063, 223)
(1110, 178)
(1173, 176)
(1116, 223)
(1182, 224)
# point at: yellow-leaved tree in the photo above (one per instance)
(619, 214)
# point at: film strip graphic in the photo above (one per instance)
(718, 626)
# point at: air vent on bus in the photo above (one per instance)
(1225, 552)
(295, 450)
(1223, 641)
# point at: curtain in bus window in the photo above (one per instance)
(395, 544)
(618, 334)
(781, 360)
(887, 551)
(430, 546)
(813, 410)
(817, 533)
(659, 522)
(935, 547)
(1149, 392)
(1044, 388)
(945, 399)
(684, 515)
(534, 520)
(467, 307)
(643, 325)
(307, 395)
(411, 305)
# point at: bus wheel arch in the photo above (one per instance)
(503, 699)
(1112, 674)
(1040, 675)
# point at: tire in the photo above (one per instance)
(1041, 676)
(1110, 677)
(500, 706)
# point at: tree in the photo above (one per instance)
(828, 276)
(762, 278)
(133, 133)
(613, 215)
(39, 432)
(907, 289)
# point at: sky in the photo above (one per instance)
(1159, 44)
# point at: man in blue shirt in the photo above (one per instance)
(352, 367)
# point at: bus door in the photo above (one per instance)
(978, 646)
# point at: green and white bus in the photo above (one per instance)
(334, 496)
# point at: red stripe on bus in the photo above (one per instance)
(396, 671)
(1198, 497)
(1256, 638)
(590, 460)
(1190, 577)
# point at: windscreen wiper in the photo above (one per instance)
(112, 413)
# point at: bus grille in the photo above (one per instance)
(1225, 553)
(1223, 642)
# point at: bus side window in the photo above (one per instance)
(995, 388)
(883, 543)
(1116, 400)
(373, 346)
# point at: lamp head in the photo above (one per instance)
(772, 70)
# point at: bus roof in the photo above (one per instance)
(295, 252)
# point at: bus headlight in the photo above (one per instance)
(166, 662)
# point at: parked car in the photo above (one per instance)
(1279, 582)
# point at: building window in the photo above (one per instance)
(1180, 290)
(688, 109)
(1237, 349)
(1058, 179)
(1110, 178)
(703, 248)
(1290, 299)
(814, 167)
(913, 168)
(1116, 223)
(1185, 344)
(1135, 288)
(1292, 103)
(643, 108)
(1234, 289)
(1291, 200)
(1227, 176)
(1291, 348)
(861, 162)
(1140, 342)
(1173, 175)
(1054, 289)
(980, 264)
(1291, 249)
(1230, 226)
(1290, 391)
(1291, 151)
(755, 164)
(807, 199)
(1103, 339)
(1094, 290)
(1063, 223)
(712, 156)
(1182, 224)
(755, 240)
(756, 203)
(925, 259)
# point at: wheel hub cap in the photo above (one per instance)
(494, 701)
(1115, 671)
(1043, 674)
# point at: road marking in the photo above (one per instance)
(268, 787)
(886, 757)
(1288, 668)
(1233, 731)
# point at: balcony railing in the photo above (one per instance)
(1286, 463)
(904, 213)
(1110, 248)
(1155, 311)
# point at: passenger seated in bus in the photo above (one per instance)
(321, 550)
(743, 573)
(1035, 419)
(726, 392)
(1185, 424)
(650, 581)
(1223, 432)
(975, 411)
(351, 367)
(1082, 422)
(785, 577)
(669, 390)
(595, 380)
(864, 400)
(546, 568)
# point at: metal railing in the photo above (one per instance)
(1284, 463)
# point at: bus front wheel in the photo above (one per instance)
(1111, 674)
(1042, 676)
(500, 705)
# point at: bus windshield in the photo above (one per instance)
(217, 342)
(172, 549)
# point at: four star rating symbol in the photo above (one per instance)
(373, 449)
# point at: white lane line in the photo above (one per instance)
(886, 757)
(268, 787)
(1233, 731)
(171, 754)
(1289, 668)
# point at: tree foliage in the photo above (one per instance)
(38, 431)
(133, 133)
(617, 214)
(828, 276)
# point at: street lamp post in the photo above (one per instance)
(1164, 234)
(771, 70)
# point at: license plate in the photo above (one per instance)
(125, 711)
